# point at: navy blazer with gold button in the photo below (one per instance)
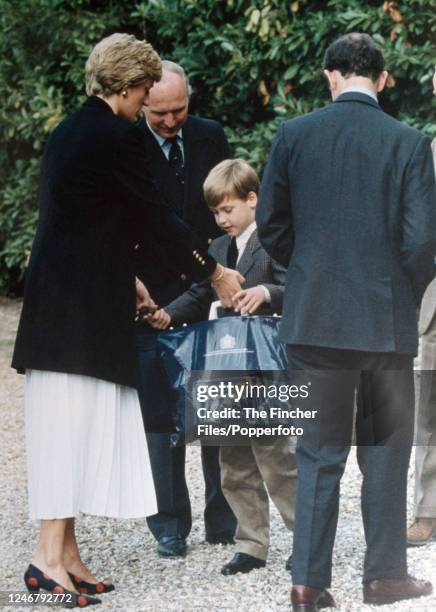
(79, 300)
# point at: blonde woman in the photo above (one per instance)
(86, 447)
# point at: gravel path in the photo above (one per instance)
(125, 550)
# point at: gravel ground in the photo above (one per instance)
(125, 550)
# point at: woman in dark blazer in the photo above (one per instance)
(86, 447)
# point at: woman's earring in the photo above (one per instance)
(124, 93)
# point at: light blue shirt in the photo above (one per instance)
(362, 90)
(164, 145)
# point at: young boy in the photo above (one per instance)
(247, 472)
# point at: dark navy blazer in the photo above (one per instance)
(204, 145)
(79, 300)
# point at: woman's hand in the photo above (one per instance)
(247, 301)
(227, 283)
(159, 319)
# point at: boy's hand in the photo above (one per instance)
(159, 319)
(247, 301)
(143, 298)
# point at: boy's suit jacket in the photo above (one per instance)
(257, 267)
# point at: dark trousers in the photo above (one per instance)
(168, 464)
(174, 516)
(384, 433)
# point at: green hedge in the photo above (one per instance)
(252, 63)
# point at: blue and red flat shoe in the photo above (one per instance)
(36, 580)
(89, 587)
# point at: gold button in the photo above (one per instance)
(183, 276)
(209, 240)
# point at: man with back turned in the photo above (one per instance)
(347, 204)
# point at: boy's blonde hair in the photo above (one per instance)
(119, 61)
(232, 178)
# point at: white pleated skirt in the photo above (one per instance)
(86, 448)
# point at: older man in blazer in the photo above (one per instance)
(348, 205)
(181, 149)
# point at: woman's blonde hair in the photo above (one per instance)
(231, 178)
(119, 61)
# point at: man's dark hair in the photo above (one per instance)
(357, 54)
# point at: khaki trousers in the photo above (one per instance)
(425, 458)
(248, 475)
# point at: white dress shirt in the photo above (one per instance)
(242, 239)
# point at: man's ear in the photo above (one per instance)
(332, 79)
(381, 81)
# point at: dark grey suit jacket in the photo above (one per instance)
(255, 265)
(348, 205)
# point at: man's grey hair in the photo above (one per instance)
(177, 69)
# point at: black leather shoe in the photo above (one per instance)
(220, 538)
(308, 599)
(242, 563)
(288, 565)
(171, 546)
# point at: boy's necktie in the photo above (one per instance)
(232, 254)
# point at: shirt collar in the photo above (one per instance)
(160, 139)
(243, 238)
(362, 90)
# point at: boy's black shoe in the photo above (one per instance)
(242, 563)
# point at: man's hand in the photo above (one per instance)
(247, 301)
(227, 283)
(159, 319)
(143, 299)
